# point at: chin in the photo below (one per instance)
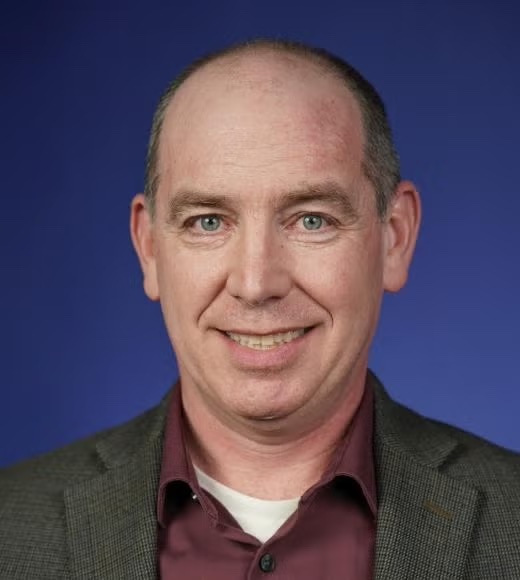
(266, 416)
(263, 411)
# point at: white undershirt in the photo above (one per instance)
(259, 517)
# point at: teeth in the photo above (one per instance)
(265, 342)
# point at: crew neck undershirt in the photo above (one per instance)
(261, 518)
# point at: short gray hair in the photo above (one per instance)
(381, 162)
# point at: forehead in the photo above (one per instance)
(262, 118)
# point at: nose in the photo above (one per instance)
(259, 271)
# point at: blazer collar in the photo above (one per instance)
(111, 519)
(425, 517)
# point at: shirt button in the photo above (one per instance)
(267, 563)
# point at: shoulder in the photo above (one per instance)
(470, 458)
(452, 450)
(32, 513)
(32, 494)
(453, 490)
(52, 472)
(479, 459)
(405, 437)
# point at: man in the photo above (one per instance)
(273, 220)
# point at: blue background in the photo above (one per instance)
(80, 346)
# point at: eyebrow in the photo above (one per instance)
(330, 193)
(184, 200)
(327, 193)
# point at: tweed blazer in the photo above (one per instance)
(449, 504)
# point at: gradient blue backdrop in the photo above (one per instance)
(82, 349)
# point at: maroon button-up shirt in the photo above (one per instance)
(331, 535)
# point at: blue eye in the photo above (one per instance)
(210, 223)
(312, 222)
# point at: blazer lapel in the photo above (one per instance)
(425, 518)
(111, 519)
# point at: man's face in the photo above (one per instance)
(266, 251)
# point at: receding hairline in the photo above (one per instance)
(228, 64)
(244, 53)
(381, 162)
(255, 69)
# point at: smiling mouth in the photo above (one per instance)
(266, 341)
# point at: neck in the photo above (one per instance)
(268, 460)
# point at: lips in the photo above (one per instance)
(266, 341)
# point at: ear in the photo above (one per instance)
(142, 233)
(401, 227)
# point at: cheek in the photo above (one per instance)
(347, 277)
(188, 282)
(337, 273)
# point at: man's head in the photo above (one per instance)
(266, 246)
(380, 163)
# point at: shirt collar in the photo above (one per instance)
(176, 465)
(354, 457)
